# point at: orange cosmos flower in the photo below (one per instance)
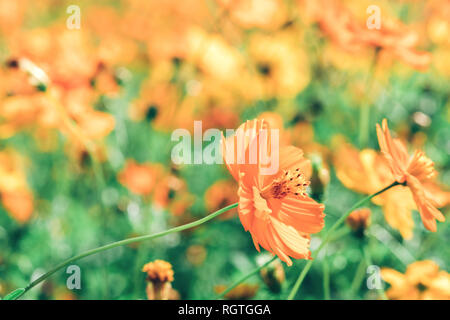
(367, 172)
(348, 32)
(15, 194)
(157, 104)
(140, 178)
(422, 281)
(172, 194)
(96, 124)
(399, 40)
(413, 171)
(219, 117)
(19, 204)
(274, 208)
(281, 66)
(221, 194)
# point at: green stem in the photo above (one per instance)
(245, 277)
(326, 277)
(123, 243)
(341, 220)
(358, 278)
(368, 260)
(364, 112)
(364, 117)
(100, 180)
(340, 233)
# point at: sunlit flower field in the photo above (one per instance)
(119, 180)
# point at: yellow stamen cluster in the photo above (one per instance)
(290, 182)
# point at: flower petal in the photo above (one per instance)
(393, 150)
(425, 205)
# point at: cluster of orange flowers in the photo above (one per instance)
(394, 39)
(191, 51)
(164, 187)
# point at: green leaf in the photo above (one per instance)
(13, 295)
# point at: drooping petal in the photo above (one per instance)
(434, 191)
(280, 239)
(293, 242)
(397, 207)
(284, 238)
(276, 246)
(426, 207)
(302, 213)
(260, 232)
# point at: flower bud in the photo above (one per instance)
(273, 276)
(159, 278)
(240, 292)
(359, 220)
(320, 177)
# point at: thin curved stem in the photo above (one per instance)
(341, 220)
(74, 130)
(123, 243)
(245, 277)
(364, 112)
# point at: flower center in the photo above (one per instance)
(290, 182)
(421, 287)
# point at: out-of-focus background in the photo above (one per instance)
(88, 105)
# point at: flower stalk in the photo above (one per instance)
(245, 277)
(124, 242)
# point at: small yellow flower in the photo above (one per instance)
(159, 270)
(159, 281)
(422, 281)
